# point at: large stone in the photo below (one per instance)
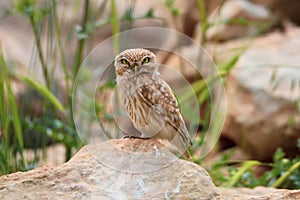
(263, 96)
(225, 20)
(258, 193)
(126, 169)
(287, 9)
(116, 169)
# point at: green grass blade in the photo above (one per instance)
(82, 38)
(3, 106)
(246, 166)
(16, 119)
(4, 116)
(282, 178)
(115, 26)
(12, 105)
(228, 66)
(60, 46)
(47, 94)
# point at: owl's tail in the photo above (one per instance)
(179, 143)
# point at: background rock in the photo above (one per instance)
(226, 19)
(263, 97)
(287, 9)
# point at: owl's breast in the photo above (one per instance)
(131, 84)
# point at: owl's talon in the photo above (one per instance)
(130, 137)
(134, 137)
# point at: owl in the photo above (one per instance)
(149, 100)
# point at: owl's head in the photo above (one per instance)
(133, 61)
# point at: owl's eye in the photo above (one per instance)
(146, 60)
(124, 61)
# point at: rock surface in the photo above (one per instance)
(259, 193)
(126, 169)
(287, 9)
(225, 20)
(263, 91)
(116, 169)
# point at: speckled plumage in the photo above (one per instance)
(149, 100)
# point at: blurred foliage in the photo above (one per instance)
(19, 130)
(283, 172)
(55, 123)
(10, 146)
(170, 5)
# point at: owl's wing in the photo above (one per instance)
(158, 95)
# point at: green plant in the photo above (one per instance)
(34, 13)
(284, 172)
(55, 122)
(115, 26)
(38, 13)
(202, 89)
(9, 123)
(82, 36)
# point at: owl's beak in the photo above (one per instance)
(135, 67)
